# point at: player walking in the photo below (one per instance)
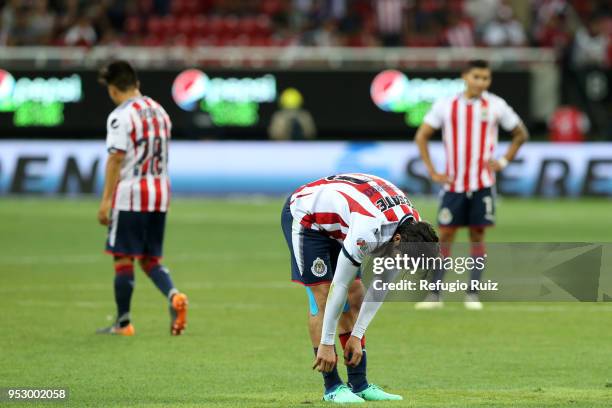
(330, 225)
(136, 194)
(470, 122)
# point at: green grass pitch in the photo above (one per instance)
(246, 344)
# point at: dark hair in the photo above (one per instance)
(421, 233)
(476, 63)
(120, 74)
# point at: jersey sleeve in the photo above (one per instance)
(435, 116)
(345, 273)
(118, 127)
(361, 237)
(508, 119)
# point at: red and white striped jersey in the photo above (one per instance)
(141, 128)
(359, 210)
(469, 131)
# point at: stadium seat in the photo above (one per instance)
(185, 26)
(169, 25)
(229, 26)
(200, 25)
(152, 40)
(194, 7)
(247, 25)
(177, 8)
(263, 25)
(215, 24)
(260, 41)
(133, 25)
(154, 25)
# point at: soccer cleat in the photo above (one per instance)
(432, 301)
(472, 302)
(118, 330)
(342, 395)
(178, 314)
(375, 393)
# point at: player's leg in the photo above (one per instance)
(357, 379)
(335, 389)
(124, 241)
(452, 215)
(477, 249)
(317, 298)
(160, 275)
(311, 267)
(481, 215)
(357, 376)
(123, 287)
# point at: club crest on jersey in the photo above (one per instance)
(445, 216)
(318, 268)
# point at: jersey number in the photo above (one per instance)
(152, 157)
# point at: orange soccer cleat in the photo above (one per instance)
(178, 314)
(118, 330)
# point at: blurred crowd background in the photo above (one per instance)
(556, 56)
(580, 30)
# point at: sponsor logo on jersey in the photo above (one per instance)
(362, 244)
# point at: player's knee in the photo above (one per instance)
(477, 234)
(447, 234)
(317, 298)
(124, 260)
(148, 263)
(124, 266)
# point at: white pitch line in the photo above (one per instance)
(595, 307)
(109, 305)
(187, 286)
(89, 259)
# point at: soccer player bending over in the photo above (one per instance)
(470, 123)
(330, 225)
(136, 194)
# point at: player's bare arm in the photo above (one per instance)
(423, 134)
(346, 271)
(111, 178)
(519, 136)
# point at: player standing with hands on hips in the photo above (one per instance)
(470, 122)
(136, 194)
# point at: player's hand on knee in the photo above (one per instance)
(326, 358)
(353, 352)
